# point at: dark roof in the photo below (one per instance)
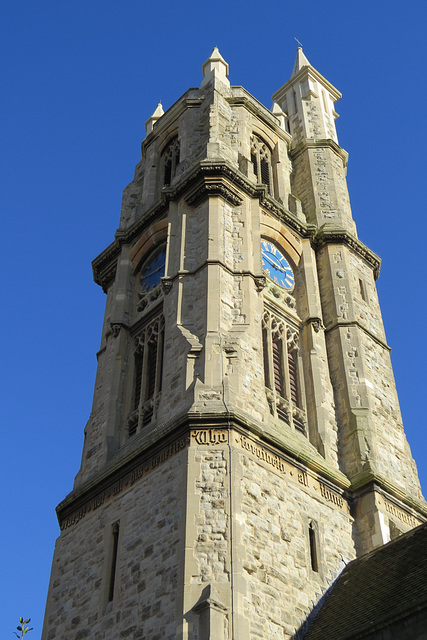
(385, 584)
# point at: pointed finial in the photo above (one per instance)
(158, 112)
(300, 61)
(215, 66)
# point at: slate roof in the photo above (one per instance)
(385, 584)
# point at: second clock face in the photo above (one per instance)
(153, 271)
(276, 266)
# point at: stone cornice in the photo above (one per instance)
(320, 143)
(157, 444)
(341, 236)
(104, 266)
(368, 481)
(219, 178)
(296, 450)
(354, 323)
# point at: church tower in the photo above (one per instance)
(245, 439)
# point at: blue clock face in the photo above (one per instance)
(275, 265)
(153, 271)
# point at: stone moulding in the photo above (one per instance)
(226, 430)
(368, 481)
(211, 178)
(323, 236)
(213, 187)
(354, 323)
(320, 144)
(150, 444)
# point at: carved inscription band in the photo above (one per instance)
(208, 437)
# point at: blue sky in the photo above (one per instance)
(79, 80)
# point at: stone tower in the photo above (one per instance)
(245, 439)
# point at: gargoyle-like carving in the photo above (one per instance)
(260, 282)
(115, 328)
(317, 324)
(166, 285)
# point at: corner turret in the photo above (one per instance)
(320, 165)
(309, 101)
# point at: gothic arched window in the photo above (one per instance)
(148, 338)
(261, 162)
(149, 277)
(170, 157)
(282, 370)
(148, 366)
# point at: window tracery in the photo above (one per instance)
(148, 366)
(261, 162)
(149, 279)
(282, 370)
(170, 158)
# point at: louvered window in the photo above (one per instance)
(293, 376)
(148, 364)
(281, 370)
(170, 159)
(261, 162)
(278, 365)
(138, 379)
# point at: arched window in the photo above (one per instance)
(261, 162)
(149, 278)
(280, 334)
(149, 339)
(282, 370)
(170, 157)
(148, 366)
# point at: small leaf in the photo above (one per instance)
(27, 621)
(19, 628)
(21, 619)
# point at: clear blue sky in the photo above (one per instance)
(79, 80)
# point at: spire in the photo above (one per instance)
(158, 112)
(300, 62)
(215, 66)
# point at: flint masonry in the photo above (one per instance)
(245, 440)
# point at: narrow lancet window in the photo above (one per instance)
(362, 290)
(314, 559)
(113, 560)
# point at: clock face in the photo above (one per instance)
(153, 271)
(275, 265)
